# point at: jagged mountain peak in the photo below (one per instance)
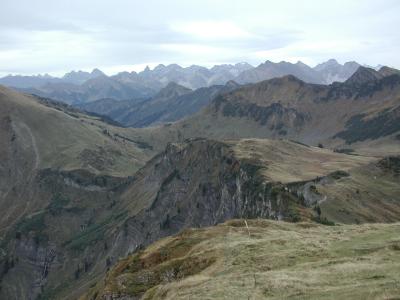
(174, 67)
(79, 77)
(197, 68)
(300, 63)
(327, 64)
(170, 67)
(332, 71)
(351, 63)
(243, 64)
(363, 75)
(97, 72)
(332, 61)
(159, 67)
(268, 70)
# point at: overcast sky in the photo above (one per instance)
(55, 36)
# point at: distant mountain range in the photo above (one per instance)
(80, 87)
(170, 104)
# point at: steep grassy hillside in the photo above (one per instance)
(58, 172)
(39, 134)
(262, 260)
(59, 137)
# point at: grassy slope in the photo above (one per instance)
(287, 161)
(369, 194)
(71, 140)
(36, 136)
(278, 260)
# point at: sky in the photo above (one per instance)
(48, 36)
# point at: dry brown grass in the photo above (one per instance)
(278, 261)
(286, 161)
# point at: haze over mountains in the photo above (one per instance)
(78, 87)
(171, 103)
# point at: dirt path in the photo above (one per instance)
(34, 145)
(27, 193)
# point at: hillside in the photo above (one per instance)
(58, 169)
(266, 260)
(93, 89)
(342, 115)
(40, 136)
(170, 104)
(54, 135)
(199, 150)
(142, 113)
(79, 224)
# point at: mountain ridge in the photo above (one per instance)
(79, 193)
(80, 86)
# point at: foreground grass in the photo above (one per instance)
(270, 259)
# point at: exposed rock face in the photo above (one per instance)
(52, 246)
(361, 127)
(49, 210)
(363, 75)
(192, 193)
(332, 71)
(82, 87)
(204, 182)
(275, 116)
(86, 222)
(79, 77)
(270, 70)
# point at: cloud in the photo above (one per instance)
(57, 36)
(206, 30)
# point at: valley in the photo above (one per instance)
(91, 206)
(206, 150)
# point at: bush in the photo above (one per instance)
(323, 221)
(339, 174)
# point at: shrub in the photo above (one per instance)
(323, 221)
